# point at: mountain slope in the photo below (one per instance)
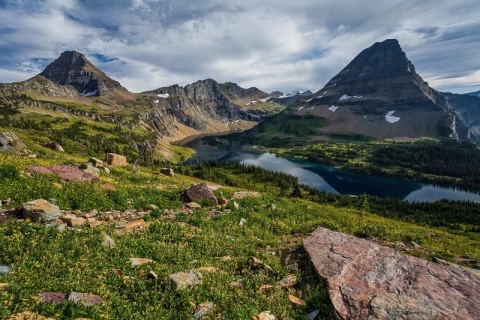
(73, 68)
(75, 103)
(467, 107)
(378, 95)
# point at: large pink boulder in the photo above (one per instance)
(65, 172)
(368, 281)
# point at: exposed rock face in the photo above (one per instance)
(198, 103)
(73, 68)
(368, 281)
(199, 192)
(467, 108)
(10, 143)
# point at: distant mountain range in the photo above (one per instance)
(377, 95)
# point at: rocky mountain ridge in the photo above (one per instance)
(380, 95)
(73, 68)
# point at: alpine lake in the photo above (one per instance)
(323, 177)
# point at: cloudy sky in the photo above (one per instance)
(271, 44)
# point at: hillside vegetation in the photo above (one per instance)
(209, 239)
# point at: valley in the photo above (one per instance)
(377, 153)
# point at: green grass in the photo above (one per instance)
(64, 261)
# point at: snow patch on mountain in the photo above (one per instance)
(333, 108)
(163, 95)
(90, 94)
(391, 118)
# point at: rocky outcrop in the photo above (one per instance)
(73, 68)
(368, 281)
(10, 143)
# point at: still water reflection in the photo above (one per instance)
(326, 178)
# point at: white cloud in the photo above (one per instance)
(265, 43)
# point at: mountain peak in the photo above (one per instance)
(73, 68)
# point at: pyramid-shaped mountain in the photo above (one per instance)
(378, 95)
(73, 68)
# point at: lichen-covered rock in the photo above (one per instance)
(40, 210)
(86, 299)
(367, 280)
(183, 280)
(200, 192)
(10, 143)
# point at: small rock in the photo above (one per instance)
(140, 261)
(296, 300)
(136, 225)
(95, 223)
(107, 241)
(183, 280)
(116, 160)
(207, 269)
(254, 263)
(59, 224)
(108, 186)
(265, 315)
(94, 171)
(40, 210)
(151, 207)
(4, 270)
(416, 245)
(152, 275)
(200, 192)
(107, 171)
(167, 172)
(58, 185)
(117, 272)
(238, 283)
(86, 299)
(289, 281)
(223, 201)
(3, 285)
(193, 205)
(73, 221)
(292, 267)
(52, 297)
(265, 287)
(54, 146)
(203, 309)
(242, 222)
(273, 207)
(313, 315)
(236, 205)
(95, 162)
